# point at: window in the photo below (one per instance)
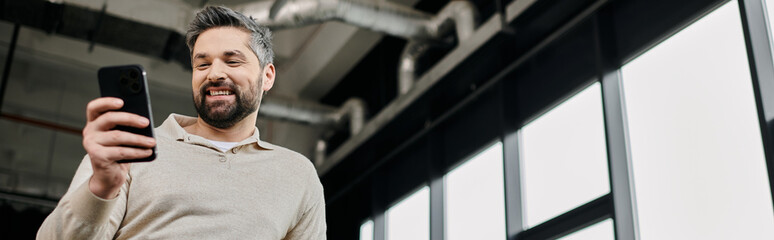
(410, 218)
(564, 158)
(367, 230)
(475, 201)
(697, 155)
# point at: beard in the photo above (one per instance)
(223, 114)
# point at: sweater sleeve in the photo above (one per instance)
(312, 223)
(82, 215)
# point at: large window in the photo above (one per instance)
(475, 202)
(410, 219)
(564, 157)
(697, 155)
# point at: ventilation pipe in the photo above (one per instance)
(408, 64)
(460, 15)
(421, 29)
(353, 112)
(309, 113)
(302, 112)
(320, 152)
(384, 17)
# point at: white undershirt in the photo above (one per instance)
(224, 146)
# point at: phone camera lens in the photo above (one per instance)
(133, 74)
(135, 87)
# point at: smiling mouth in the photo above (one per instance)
(220, 93)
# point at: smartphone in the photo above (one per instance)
(129, 83)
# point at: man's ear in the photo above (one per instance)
(268, 77)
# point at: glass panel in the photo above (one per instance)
(699, 170)
(600, 231)
(367, 230)
(410, 218)
(564, 157)
(475, 200)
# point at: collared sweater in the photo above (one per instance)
(193, 190)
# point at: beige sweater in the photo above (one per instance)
(193, 190)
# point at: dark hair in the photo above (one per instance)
(215, 16)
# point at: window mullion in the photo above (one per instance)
(619, 157)
(759, 53)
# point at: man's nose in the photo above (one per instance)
(217, 72)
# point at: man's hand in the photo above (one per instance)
(106, 146)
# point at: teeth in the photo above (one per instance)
(218, 93)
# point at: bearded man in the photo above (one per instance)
(213, 177)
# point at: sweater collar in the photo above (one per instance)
(173, 126)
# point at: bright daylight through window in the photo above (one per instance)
(475, 201)
(564, 157)
(410, 219)
(367, 230)
(697, 155)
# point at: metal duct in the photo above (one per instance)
(308, 113)
(320, 152)
(462, 15)
(353, 111)
(384, 17)
(408, 65)
(421, 29)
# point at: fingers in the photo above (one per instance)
(118, 138)
(98, 106)
(110, 155)
(109, 120)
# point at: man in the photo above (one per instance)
(213, 177)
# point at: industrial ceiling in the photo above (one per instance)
(56, 47)
(61, 44)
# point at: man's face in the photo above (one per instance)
(227, 79)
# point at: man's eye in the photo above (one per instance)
(202, 65)
(233, 62)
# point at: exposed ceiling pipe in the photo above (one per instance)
(320, 151)
(421, 29)
(407, 68)
(384, 17)
(352, 111)
(462, 15)
(278, 4)
(302, 112)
